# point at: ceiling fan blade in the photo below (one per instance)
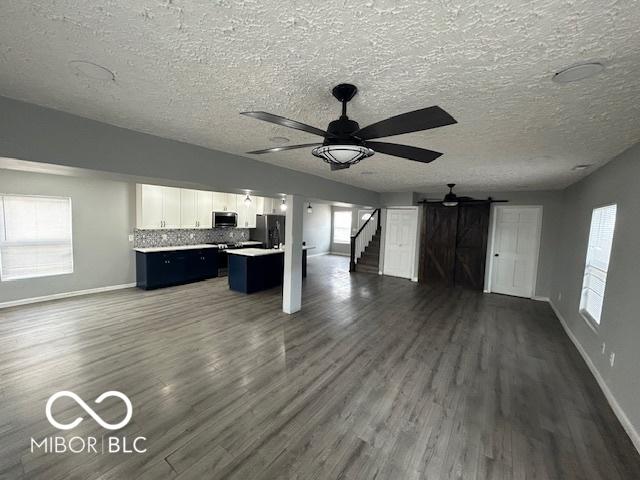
(284, 147)
(285, 122)
(404, 151)
(418, 120)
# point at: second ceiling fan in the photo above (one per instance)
(345, 143)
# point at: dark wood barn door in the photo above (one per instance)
(438, 249)
(454, 245)
(471, 245)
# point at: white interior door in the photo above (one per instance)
(516, 240)
(400, 242)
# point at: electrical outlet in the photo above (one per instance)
(603, 348)
(131, 238)
(612, 358)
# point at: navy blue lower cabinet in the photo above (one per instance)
(253, 274)
(163, 269)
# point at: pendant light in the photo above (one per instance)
(283, 205)
(309, 209)
(247, 201)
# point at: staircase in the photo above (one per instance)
(370, 259)
(365, 245)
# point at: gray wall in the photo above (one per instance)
(39, 134)
(398, 199)
(103, 215)
(316, 228)
(551, 202)
(616, 182)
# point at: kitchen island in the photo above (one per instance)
(255, 269)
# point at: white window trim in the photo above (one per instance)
(43, 242)
(586, 316)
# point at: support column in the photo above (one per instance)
(292, 283)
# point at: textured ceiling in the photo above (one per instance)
(184, 69)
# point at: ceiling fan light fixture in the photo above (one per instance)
(342, 154)
(450, 199)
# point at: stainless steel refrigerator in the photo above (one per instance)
(269, 230)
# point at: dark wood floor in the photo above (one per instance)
(377, 378)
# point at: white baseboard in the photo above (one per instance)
(615, 406)
(56, 296)
(542, 299)
(317, 254)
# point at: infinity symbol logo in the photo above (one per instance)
(89, 410)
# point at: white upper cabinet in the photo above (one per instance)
(224, 202)
(166, 207)
(188, 208)
(269, 206)
(204, 209)
(246, 214)
(260, 205)
(157, 207)
(149, 206)
(196, 207)
(171, 207)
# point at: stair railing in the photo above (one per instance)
(360, 240)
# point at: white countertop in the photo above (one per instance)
(170, 249)
(191, 247)
(257, 252)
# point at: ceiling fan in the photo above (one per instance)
(345, 143)
(453, 200)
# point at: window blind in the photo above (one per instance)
(603, 221)
(35, 236)
(342, 227)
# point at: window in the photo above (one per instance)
(35, 236)
(603, 221)
(341, 227)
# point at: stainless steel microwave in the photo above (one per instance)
(225, 219)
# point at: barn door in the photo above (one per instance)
(471, 245)
(437, 264)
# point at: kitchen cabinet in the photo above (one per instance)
(162, 269)
(224, 202)
(157, 206)
(270, 206)
(196, 207)
(204, 209)
(246, 214)
(188, 208)
(259, 205)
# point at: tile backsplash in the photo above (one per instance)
(187, 236)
